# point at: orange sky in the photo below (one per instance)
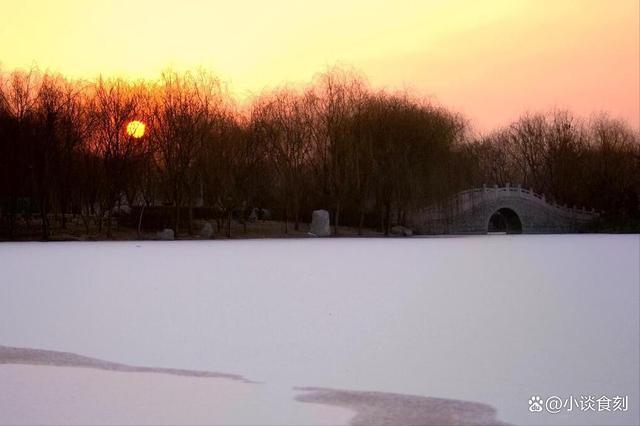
(489, 59)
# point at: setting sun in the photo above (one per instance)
(136, 129)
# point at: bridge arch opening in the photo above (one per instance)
(505, 220)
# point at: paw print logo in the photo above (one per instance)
(535, 404)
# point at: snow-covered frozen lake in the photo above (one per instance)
(490, 319)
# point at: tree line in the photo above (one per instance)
(591, 163)
(368, 156)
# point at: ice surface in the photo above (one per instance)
(488, 319)
(86, 396)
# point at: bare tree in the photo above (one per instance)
(114, 103)
(283, 122)
(187, 105)
(18, 99)
(334, 98)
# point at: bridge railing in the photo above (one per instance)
(468, 199)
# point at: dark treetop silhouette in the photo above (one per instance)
(70, 169)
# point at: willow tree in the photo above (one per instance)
(18, 100)
(186, 107)
(113, 104)
(334, 98)
(282, 122)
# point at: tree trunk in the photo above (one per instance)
(98, 220)
(140, 219)
(12, 216)
(45, 220)
(85, 220)
(177, 220)
(361, 222)
(64, 217)
(387, 225)
(286, 218)
(296, 215)
(108, 224)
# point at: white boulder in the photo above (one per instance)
(206, 231)
(253, 216)
(401, 230)
(320, 226)
(166, 234)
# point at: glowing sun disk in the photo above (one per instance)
(136, 129)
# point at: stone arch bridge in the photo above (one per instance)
(510, 209)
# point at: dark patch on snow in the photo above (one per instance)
(390, 409)
(12, 355)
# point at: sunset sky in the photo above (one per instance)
(489, 59)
